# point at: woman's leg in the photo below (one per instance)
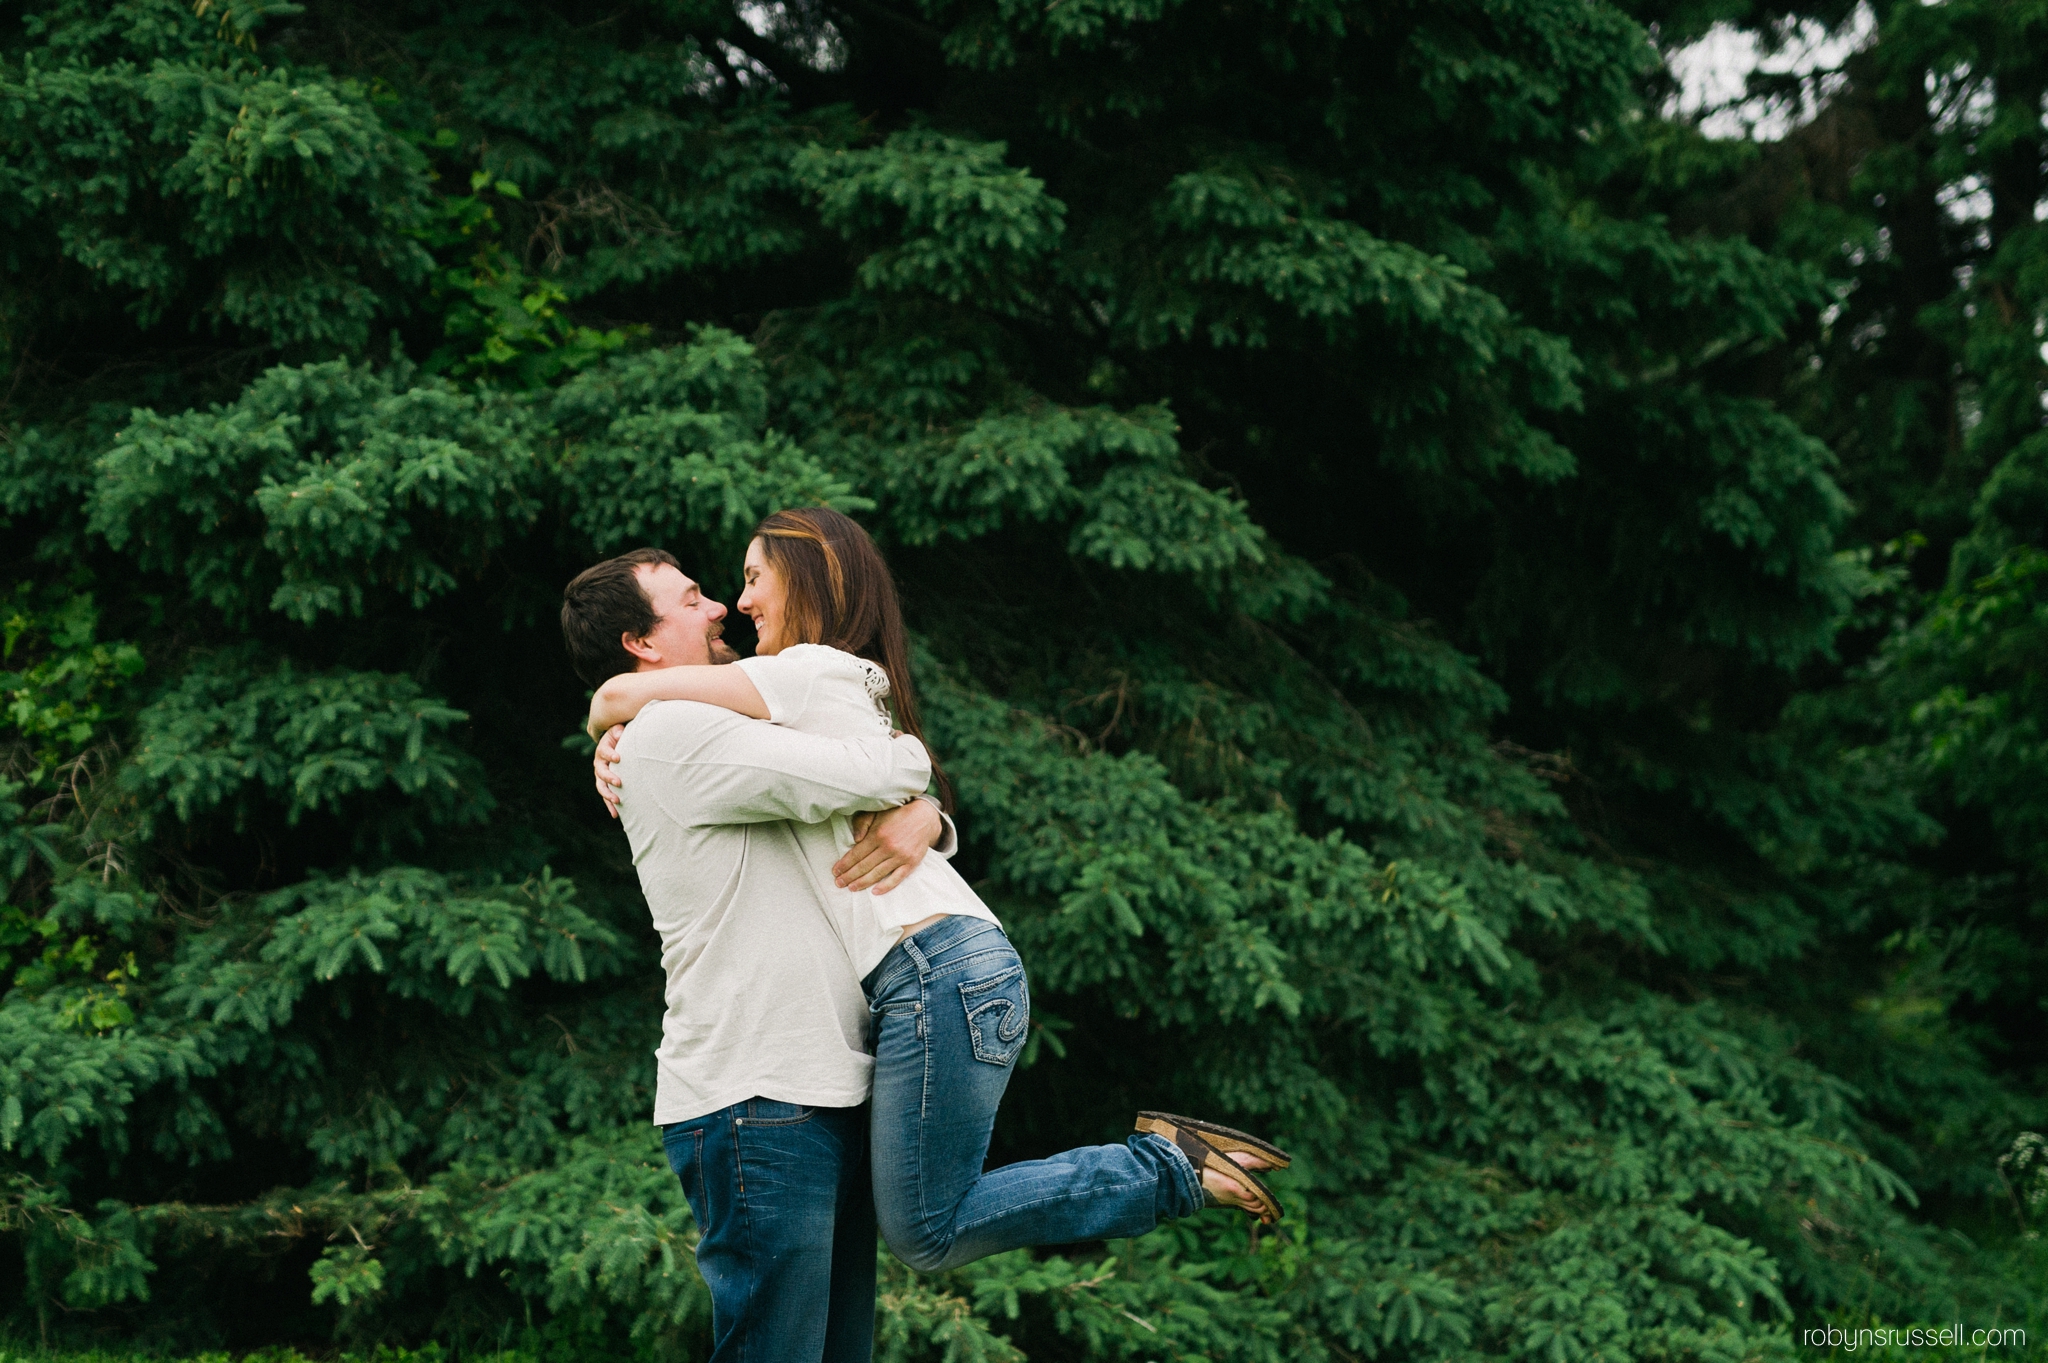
(952, 1010)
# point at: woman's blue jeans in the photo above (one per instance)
(951, 1012)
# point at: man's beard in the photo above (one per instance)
(720, 650)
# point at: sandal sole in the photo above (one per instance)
(1224, 1138)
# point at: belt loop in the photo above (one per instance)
(924, 964)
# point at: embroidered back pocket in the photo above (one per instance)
(998, 1015)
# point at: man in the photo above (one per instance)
(763, 1063)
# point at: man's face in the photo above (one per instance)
(687, 623)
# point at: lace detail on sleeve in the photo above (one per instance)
(876, 679)
(877, 683)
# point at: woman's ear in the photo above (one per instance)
(640, 648)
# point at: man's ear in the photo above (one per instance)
(640, 648)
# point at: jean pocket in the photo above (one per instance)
(998, 1015)
(685, 1151)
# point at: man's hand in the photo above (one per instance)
(606, 764)
(888, 847)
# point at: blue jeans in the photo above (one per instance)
(787, 1228)
(951, 1010)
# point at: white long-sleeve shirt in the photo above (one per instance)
(762, 999)
(814, 689)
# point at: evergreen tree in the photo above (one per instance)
(1917, 190)
(1357, 479)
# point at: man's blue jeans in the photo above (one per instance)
(951, 1010)
(787, 1227)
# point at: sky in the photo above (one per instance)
(1711, 73)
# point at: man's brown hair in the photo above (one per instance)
(600, 604)
(838, 591)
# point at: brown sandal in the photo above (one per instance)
(1206, 1157)
(1228, 1139)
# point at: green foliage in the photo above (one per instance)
(966, 226)
(56, 702)
(1478, 631)
(2024, 1170)
(1925, 375)
(58, 696)
(500, 321)
(158, 164)
(313, 740)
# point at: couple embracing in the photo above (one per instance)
(843, 1012)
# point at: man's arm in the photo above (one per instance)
(904, 838)
(736, 770)
(889, 846)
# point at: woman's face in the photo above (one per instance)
(763, 601)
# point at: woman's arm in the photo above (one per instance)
(720, 684)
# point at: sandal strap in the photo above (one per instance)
(1206, 1157)
(1194, 1147)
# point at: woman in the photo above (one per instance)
(947, 991)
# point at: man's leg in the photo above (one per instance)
(850, 1322)
(763, 1180)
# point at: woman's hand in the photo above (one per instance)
(887, 847)
(606, 765)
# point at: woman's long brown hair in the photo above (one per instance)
(838, 591)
